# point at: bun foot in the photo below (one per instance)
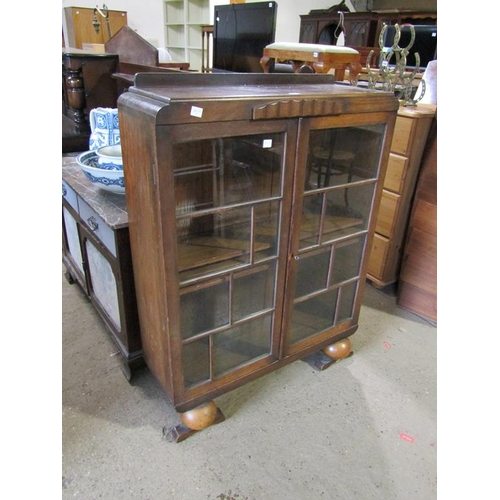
(194, 420)
(200, 417)
(339, 350)
(325, 358)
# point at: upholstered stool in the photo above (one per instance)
(321, 58)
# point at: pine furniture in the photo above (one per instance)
(407, 146)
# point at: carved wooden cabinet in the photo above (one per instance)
(410, 136)
(96, 254)
(361, 29)
(251, 202)
(325, 27)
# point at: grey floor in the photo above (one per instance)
(363, 429)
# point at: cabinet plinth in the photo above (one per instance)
(251, 201)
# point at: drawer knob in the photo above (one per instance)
(64, 190)
(93, 224)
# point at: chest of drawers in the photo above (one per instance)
(410, 135)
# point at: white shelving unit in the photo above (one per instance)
(183, 21)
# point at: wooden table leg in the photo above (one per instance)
(266, 63)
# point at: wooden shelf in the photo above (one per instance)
(192, 256)
(331, 224)
(229, 243)
(204, 251)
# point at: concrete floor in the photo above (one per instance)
(363, 429)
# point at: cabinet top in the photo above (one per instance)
(197, 97)
(182, 86)
(418, 111)
(111, 207)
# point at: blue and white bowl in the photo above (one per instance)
(110, 157)
(109, 180)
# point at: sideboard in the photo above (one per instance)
(96, 254)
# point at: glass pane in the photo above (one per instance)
(335, 157)
(241, 344)
(313, 315)
(103, 283)
(215, 242)
(267, 217)
(347, 259)
(214, 178)
(218, 172)
(196, 361)
(253, 291)
(347, 211)
(312, 272)
(346, 302)
(310, 222)
(204, 309)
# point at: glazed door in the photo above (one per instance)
(231, 232)
(333, 200)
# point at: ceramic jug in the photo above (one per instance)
(104, 128)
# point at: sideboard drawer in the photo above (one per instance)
(396, 172)
(388, 213)
(97, 226)
(69, 195)
(402, 134)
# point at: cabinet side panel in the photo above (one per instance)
(137, 131)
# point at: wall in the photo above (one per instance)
(147, 17)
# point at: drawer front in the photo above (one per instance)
(69, 195)
(396, 172)
(97, 226)
(402, 133)
(387, 213)
(378, 256)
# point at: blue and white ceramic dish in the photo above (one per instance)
(109, 180)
